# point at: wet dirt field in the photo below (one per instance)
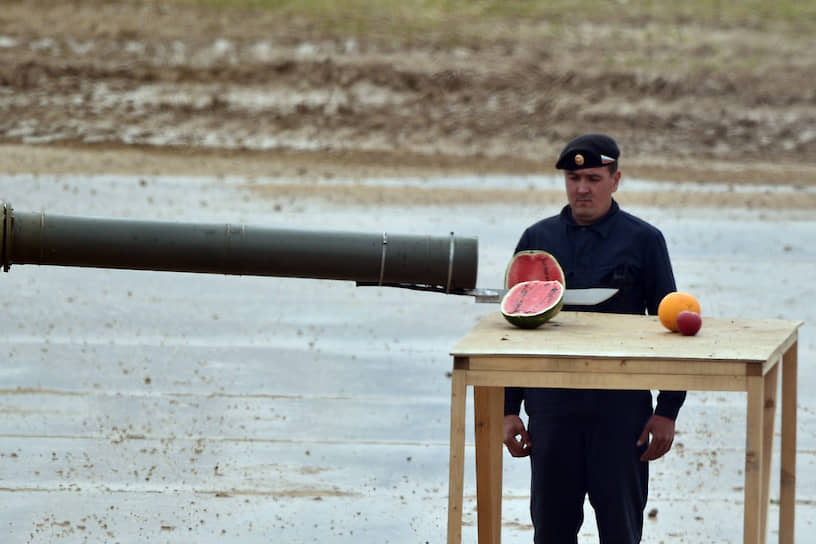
(179, 407)
(699, 101)
(160, 407)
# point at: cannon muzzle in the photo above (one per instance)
(443, 263)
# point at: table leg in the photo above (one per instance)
(787, 492)
(768, 421)
(489, 416)
(753, 460)
(457, 456)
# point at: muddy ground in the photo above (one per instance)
(160, 87)
(142, 406)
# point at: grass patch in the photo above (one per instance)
(428, 15)
(679, 39)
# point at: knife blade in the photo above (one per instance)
(573, 297)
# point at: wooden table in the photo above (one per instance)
(612, 351)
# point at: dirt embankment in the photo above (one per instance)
(157, 87)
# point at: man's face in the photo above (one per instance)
(589, 192)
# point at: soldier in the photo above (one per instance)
(595, 442)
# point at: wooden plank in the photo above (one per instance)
(461, 363)
(787, 492)
(603, 380)
(586, 334)
(613, 364)
(753, 461)
(489, 411)
(768, 421)
(456, 480)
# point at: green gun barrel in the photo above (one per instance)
(442, 263)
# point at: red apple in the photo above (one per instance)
(688, 323)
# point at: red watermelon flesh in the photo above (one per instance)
(533, 265)
(531, 303)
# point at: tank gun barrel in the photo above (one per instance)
(444, 263)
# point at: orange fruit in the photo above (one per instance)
(674, 303)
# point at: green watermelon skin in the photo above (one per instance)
(533, 264)
(530, 304)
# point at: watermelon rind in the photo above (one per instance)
(547, 268)
(540, 315)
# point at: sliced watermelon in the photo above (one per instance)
(530, 265)
(530, 304)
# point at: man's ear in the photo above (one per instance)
(616, 180)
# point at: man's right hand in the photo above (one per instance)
(515, 437)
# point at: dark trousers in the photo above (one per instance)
(584, 443)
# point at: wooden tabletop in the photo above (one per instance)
(598, 335)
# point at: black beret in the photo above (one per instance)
(588, 151)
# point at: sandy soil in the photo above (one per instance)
(158, 88)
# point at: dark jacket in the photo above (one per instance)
(619, 250)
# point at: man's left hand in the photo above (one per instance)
(662, 430)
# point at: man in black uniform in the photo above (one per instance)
(595, 442)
